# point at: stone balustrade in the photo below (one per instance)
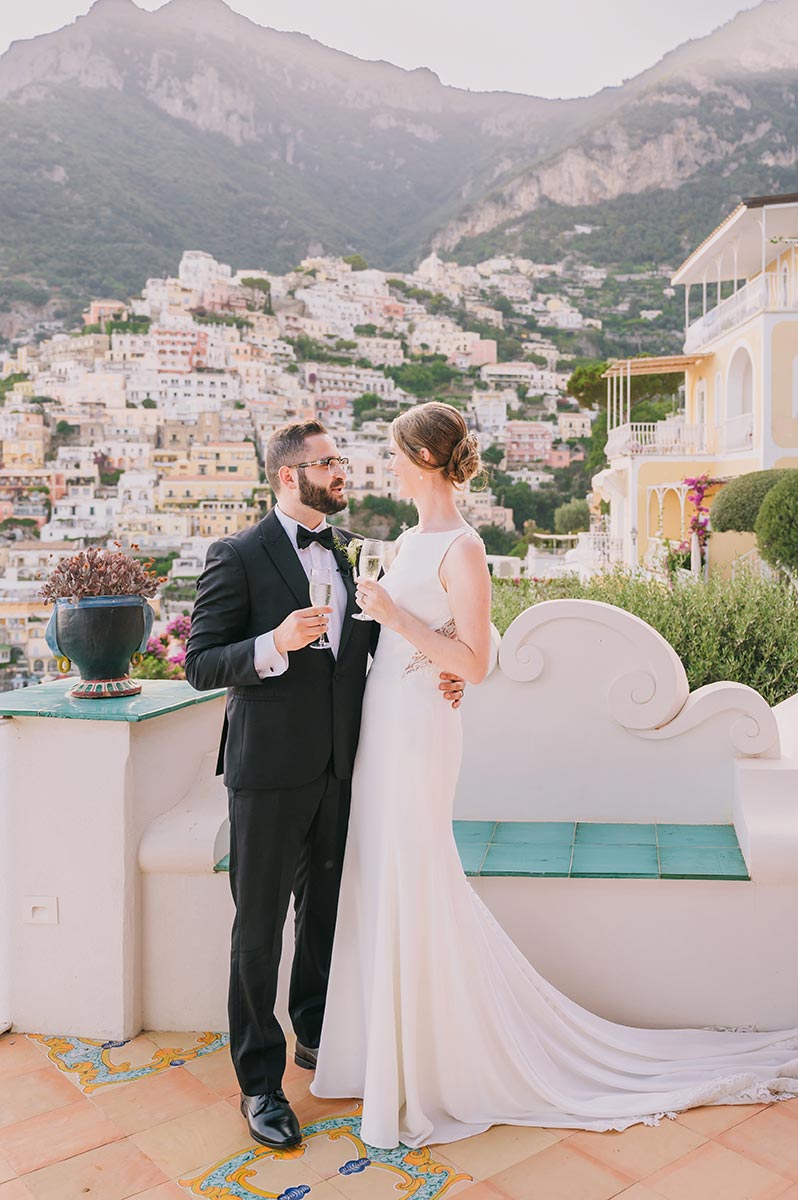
(112, 822)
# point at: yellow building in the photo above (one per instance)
(740, 364)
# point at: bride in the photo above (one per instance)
(433, 1016)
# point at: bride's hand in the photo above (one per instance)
(375, 601)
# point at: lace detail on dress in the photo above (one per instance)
(419, 661)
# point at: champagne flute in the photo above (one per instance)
(321, 597)
(369, 566)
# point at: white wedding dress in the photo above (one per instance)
(433, 1015)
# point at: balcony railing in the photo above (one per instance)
(770, 291)
(654, 438)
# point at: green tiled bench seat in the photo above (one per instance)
(593, 850)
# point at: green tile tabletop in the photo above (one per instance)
(600, 833)
(701, 862)
(697, 835)
(472, 856)
(157, 697)
(521, 858)
(535, 832)
(610, 862)
(473, 831)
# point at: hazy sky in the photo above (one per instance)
(543, 47)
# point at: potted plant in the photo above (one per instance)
(102, 619)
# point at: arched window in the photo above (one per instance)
(740, 384)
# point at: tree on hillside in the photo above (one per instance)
(357, 262)
(572, 517)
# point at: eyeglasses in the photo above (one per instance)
(332, 464)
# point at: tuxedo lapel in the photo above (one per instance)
(345, 567)
(278, 546)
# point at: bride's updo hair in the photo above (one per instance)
(440, 429)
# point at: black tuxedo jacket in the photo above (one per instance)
(279, 732)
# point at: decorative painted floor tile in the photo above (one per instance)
(93, 1063)
(257, 1170)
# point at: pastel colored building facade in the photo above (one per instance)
(740, 365)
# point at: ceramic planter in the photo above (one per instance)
(100, 635)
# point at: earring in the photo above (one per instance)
(421, 474)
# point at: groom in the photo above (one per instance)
(288, 745)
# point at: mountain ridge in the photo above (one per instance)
(129, 131)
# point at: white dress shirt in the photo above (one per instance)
(268, 660)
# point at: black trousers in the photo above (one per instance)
(282, 841)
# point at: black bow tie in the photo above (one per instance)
(323, 536)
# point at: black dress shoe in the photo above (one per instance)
(271, 1120)
(305, 1057)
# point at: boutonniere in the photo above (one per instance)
(350, 551)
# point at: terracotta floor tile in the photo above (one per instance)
(770, 1139)
(16, 1190)
(57, 1135)
(790, 1107)
(166, 1191)
(184, 1040)
(18, 1055)
(185, 1144)
(638, 1191)
(483, 1191)
(639, 1150)
(5, 1171)
(147, 1102)
(108, 1173)
(714, 1173)
(216, 1072)
(311, 1109)
(495, 1150)
(712, 1119)
(559, 1173)
(35, 1092)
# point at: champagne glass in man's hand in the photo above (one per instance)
(369, 565)
(321, 597)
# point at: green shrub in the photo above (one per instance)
(777, 524)
(737, 506)
(744, 630)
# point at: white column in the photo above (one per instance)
(686, 308)
(609, 404)
(736, 272)
(719, 267)
(704, 293)
(763, 224)
(629, 390)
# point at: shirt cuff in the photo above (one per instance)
(267, 658)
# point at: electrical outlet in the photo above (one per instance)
(41, 910)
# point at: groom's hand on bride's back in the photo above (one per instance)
(452, 687)
(300, 628)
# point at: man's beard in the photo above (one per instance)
(320, 499)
